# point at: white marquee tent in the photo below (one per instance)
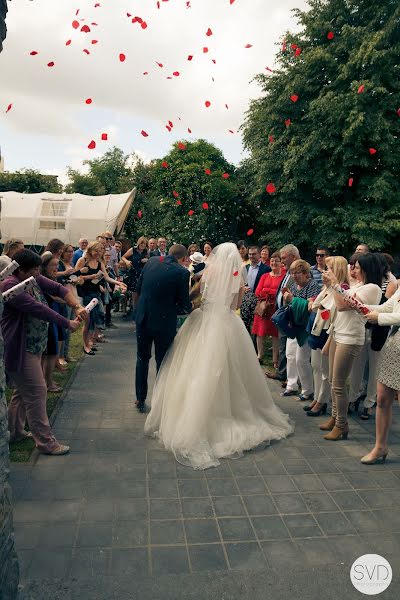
(37, 218)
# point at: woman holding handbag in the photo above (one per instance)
(266, 294)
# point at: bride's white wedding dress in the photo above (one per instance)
(211, 399)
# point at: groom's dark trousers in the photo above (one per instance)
(163, 289)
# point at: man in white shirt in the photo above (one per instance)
(162, 248)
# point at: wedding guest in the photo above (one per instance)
(136, 258)
(387, 314)
(161, 249)
(361, 249)
(63, 277)
(244, 252)
(348, 338)
(152, 245)
(266, 290)
(288, 254)
(265, 255)
(82, 245)
(353, 281)
(11, 247)
(207, 249)
(118, 249)
(320, 266)
(252, 274)
(298, 355)
(55, 246)
(24, 326)
(192, 249)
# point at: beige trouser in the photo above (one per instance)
(341, 359)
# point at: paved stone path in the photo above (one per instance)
(119, 518)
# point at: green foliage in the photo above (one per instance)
(29, 181)
(313, 160)
(164, 213)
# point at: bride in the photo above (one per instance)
(211, 399)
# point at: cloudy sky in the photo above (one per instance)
(49, 125)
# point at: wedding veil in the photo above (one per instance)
(222, 278)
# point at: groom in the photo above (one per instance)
(163, 290)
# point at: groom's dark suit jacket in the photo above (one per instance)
(163, 289)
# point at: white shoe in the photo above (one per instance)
(59, 451)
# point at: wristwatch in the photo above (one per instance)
(76, 306)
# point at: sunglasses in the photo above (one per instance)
(320, 255)
(109, 239)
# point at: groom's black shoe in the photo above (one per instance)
(141, 407)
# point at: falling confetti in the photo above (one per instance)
(164, 164)
(207, 171)
(190, 213)
(175, 194)
(190, 57)
(248, 45)
(144, 133)
(209, 32)
(51, 64)
(9, 107)
(250, 232)
(205, 205)
(181, 146)
(225, 175)
(122, 57)
(372, 151)
(361, 89)
(294, 98)
(330, 35)
(288, 122)
(88, 101)
(104, 137)
(207, 104)
(34, 53)
(92, 145)
(270, 187)
(139, 214)
(351, 181)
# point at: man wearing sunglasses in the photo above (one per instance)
(106, 238)
(320, 266)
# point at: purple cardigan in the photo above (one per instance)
(13, 322)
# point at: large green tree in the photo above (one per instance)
(325, 130)
(191, 194)
(29, 181)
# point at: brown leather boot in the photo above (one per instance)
(338, 433)
(328, 425)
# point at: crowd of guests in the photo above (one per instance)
(333, 357)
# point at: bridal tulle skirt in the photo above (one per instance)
(211, 399)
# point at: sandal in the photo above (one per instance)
(55, 389)
(366, 414)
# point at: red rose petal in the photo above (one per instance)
(270, 187)
(225, 175)
(88, 101)
(351, 181)
(161, 258)
(214, 61)
(144, 133)
(250, 232)
(190, 57)
(231, 131)
(75, 24)
(207, 171)
(284, 46)
(209, 32)
(168, 127)
(189, 130)
(271, 139)
(33, 53)
(226, 106)
(175, 194)
(122, 57)
(205, 205)
(94, 41)
(176, 73)
(178, 203)
(361, 89)
(236, 273)
(231, 1)
(293, 46)
(164, 164)
(92, 145)
(104, 137)
(145, 73)
(190, 213)
(205, 50)
(85, 28)
(181, 146)
(325, 314)
(143, 25)
(51, 64)
(68, 42)
(248, 45)
(288, 122)
(9, 107)
(330, 35)
(294, 98)
(159, 64)
(297, 52)
(207, 104)
(372, 150)
(139, 214)
(86, 51)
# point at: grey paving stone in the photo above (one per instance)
(167, 532)
(58, 535)
(244, 468)
(280, 483)
(312, 452)
(52, 562)
(347, 548)
(70, 490)
(259, 505)
(90, 562)
(319, 502)
(246, 556)
(269, 528)
(127, 534)
(159, 456)
(133, 471)
(383, 544)
(39, 473)
(335, 481)
(363, 521)
(38, 490)
(222, 487)
(297, 467)
(334, 523)
(281, 553)
(317, 552)
(27, 535)
(92, 535)
(158, 469)
(192, 488)
(290, 503)
(236, 529)
(163, 488)
(134, 561)
(287, 452)
(197, 507)
(127, 509)
(389, 520)
(271, 468)
(377, 498)
(251, 485)
(322, 465)
(169, 560)
(348, 500)
(302, 526)
(207, 557)
(165, 508)
(101, 510)
(361, 481)
(189, 473)
(386, 479)
(308, 483)
(201, 531)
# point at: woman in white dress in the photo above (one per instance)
(211, 399)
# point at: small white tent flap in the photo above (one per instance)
(36, 218)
